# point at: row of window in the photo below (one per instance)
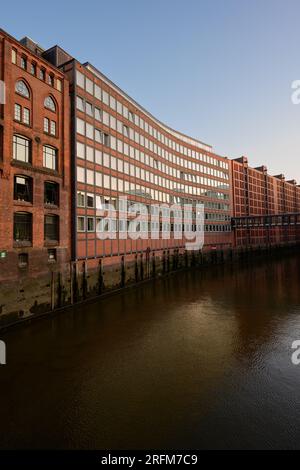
(100, 225)
(92, 133)
(94, 90)
(22, 152)
(23, 258)
(32, 68)
(112, 183)
(23, 227)
(94, 155)
(92, 201)
(22, 89)
(23, 190)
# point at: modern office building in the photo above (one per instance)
(119, 149)
(34, 162)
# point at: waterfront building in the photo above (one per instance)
(256, 193)
(119, 149)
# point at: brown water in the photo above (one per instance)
(198, 360)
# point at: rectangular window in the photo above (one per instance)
(80, 174)
(79, 103)
(98, 114)
(90, 177)
(42, 74)
(53, 128)
(23, 188)
(80, 199)
(89, 86)
(23, 227)
(80, 126)
(14, 56)
(50, 157)
(17, 112)
(80, 150)
(21, 149)
(90, 131)
(59, 84)
(46, 125)
(89, 108)
(51, 193)
(79, 79)
(80, 224)
(23, 63)
(90, 200)
(26, 116)
(51, 228)
(33, 68)
(90, 224)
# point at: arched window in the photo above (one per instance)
(22, 89)
(49, 103)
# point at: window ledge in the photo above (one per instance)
(48, 205)
(22, 244)
(51, 243)
(19, 202)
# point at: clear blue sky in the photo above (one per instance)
(218, 70)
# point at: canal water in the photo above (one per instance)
(199, 360)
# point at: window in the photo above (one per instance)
(80, 79)
(42, 74)
(89, 108)
(80, 124)
(46, 125)
(22, 188)
(22, 227)
(33, 68)
(90, 200)
(80, 224)
(90, 224)
(52, 255)
(51, 80)
(26, 116)
(23, 63)
(51, 193)
(14, 56)
(59, 84)
(80, 174)
(23, 260)
(106, 140)
(89, 86)
(53, 128)
(80, 150)
(22, 88)
(50, 157)
(51, 228)
(49, 103)
(98, 114)
(21, 149)
(79, 103)
(80, 199)
(18, 111)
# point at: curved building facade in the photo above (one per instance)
(121, 150)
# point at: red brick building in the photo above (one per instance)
(256, 193)
(34, 162)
